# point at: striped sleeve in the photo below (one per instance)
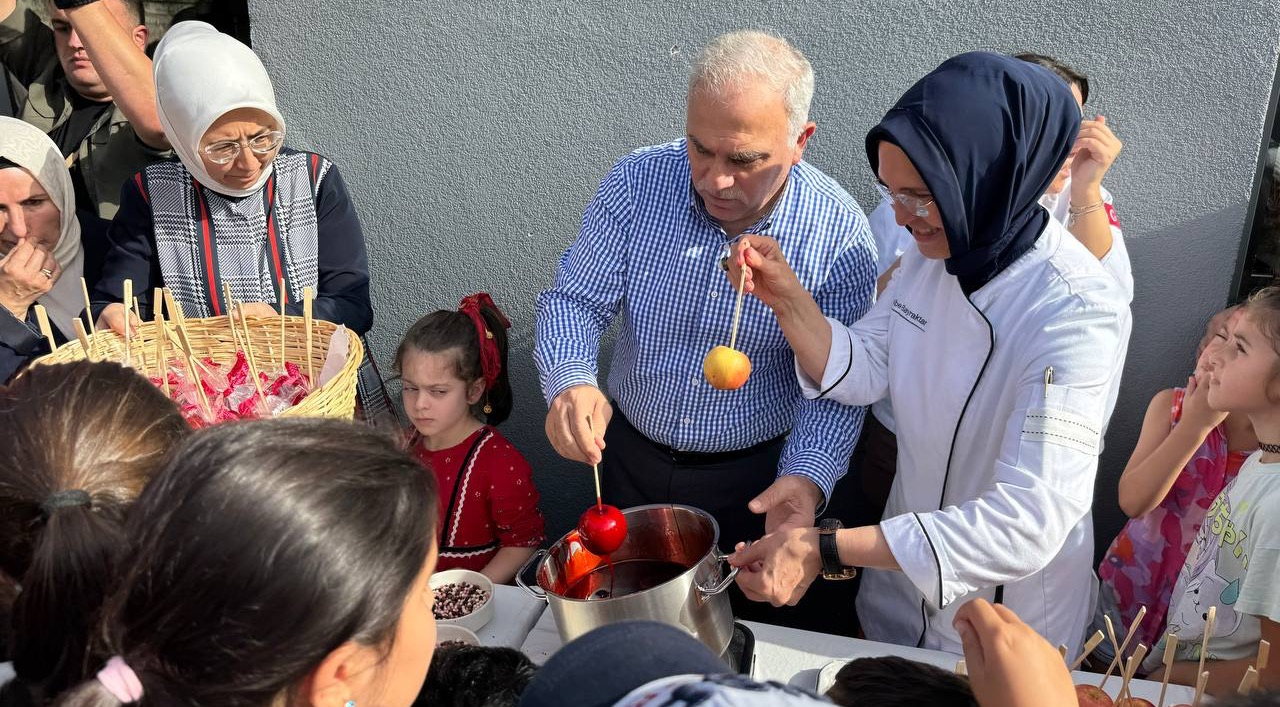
(824, 431)
(590, 280)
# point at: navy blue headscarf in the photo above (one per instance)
(988, 133)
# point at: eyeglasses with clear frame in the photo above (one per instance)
(910, 202)
(225, 151)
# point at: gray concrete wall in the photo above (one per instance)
(473, 135)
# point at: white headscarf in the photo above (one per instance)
(29, 148)
(201, 75)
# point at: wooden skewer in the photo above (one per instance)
(176, 314)
(1131, 666)
(42, 320)
(595, 470)
(162, 333)
(284, 300)
(1264, 652)
(1137, 621)
(962, 669)
(1201, 683)
(231, 317)
(1062, 651)
(157, 316)
(253, 363)
(1089, 645)
(128, 307)
(78, 324)
(88, 306)
(1170, 649)
(142, 354)
(1204, 642)
(1249, 681)
(737, 308)
(195, 374)
(307, 296)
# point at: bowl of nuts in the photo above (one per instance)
(450, 635)
(463, 597)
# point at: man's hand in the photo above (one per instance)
(791, 501)
(1009, 664)
(1095, 151)
(576, 423)
(26, 272)
(779, 567)
(112, 318)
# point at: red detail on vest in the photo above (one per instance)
(206, 233)
(1112, 217)
(137, 179)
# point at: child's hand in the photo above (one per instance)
(1009, 664)
(1195, 406)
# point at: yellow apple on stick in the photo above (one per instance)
(726, 368)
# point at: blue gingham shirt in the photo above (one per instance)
(649, 250)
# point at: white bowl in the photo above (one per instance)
(454, 632)
(476, 619)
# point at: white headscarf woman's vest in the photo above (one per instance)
(201, 75)
(29, 148)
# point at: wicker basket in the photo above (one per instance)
(212, 338)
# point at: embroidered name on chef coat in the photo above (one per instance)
(911, 317)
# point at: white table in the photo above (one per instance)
(514, 614)
(796, 657)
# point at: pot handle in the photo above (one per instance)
(723, 584)
(534, 591)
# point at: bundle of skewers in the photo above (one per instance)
(225, 368)
(1091, 695)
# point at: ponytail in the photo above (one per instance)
(80, 442)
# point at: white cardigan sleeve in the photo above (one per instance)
(857, 371)
(1044, 475)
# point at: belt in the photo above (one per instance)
(700, 458)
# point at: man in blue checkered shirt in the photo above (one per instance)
(757, 458)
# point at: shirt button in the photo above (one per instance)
(714, 294)
(687, 420)
(693, 381)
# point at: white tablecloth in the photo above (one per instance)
(514, 614)
(797, 657)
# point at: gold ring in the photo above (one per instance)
(47, 273)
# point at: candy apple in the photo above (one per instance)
(726, 368)
(603, 529)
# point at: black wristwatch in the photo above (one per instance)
(831, 567)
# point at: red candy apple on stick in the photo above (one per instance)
(603, 528)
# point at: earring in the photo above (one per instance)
(351, 703)
(488, 409)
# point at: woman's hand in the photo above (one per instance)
(26, 273)
(1095, 151)
(112, 318)
(252, 309)
(769, 277)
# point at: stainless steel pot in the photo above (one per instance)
(668, 570)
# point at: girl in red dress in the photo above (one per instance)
(453, 366)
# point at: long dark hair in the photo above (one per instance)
(79, 442)
(259, 549)
(447, 330)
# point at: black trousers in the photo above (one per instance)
(637, 471)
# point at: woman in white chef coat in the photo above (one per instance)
(996, 341)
